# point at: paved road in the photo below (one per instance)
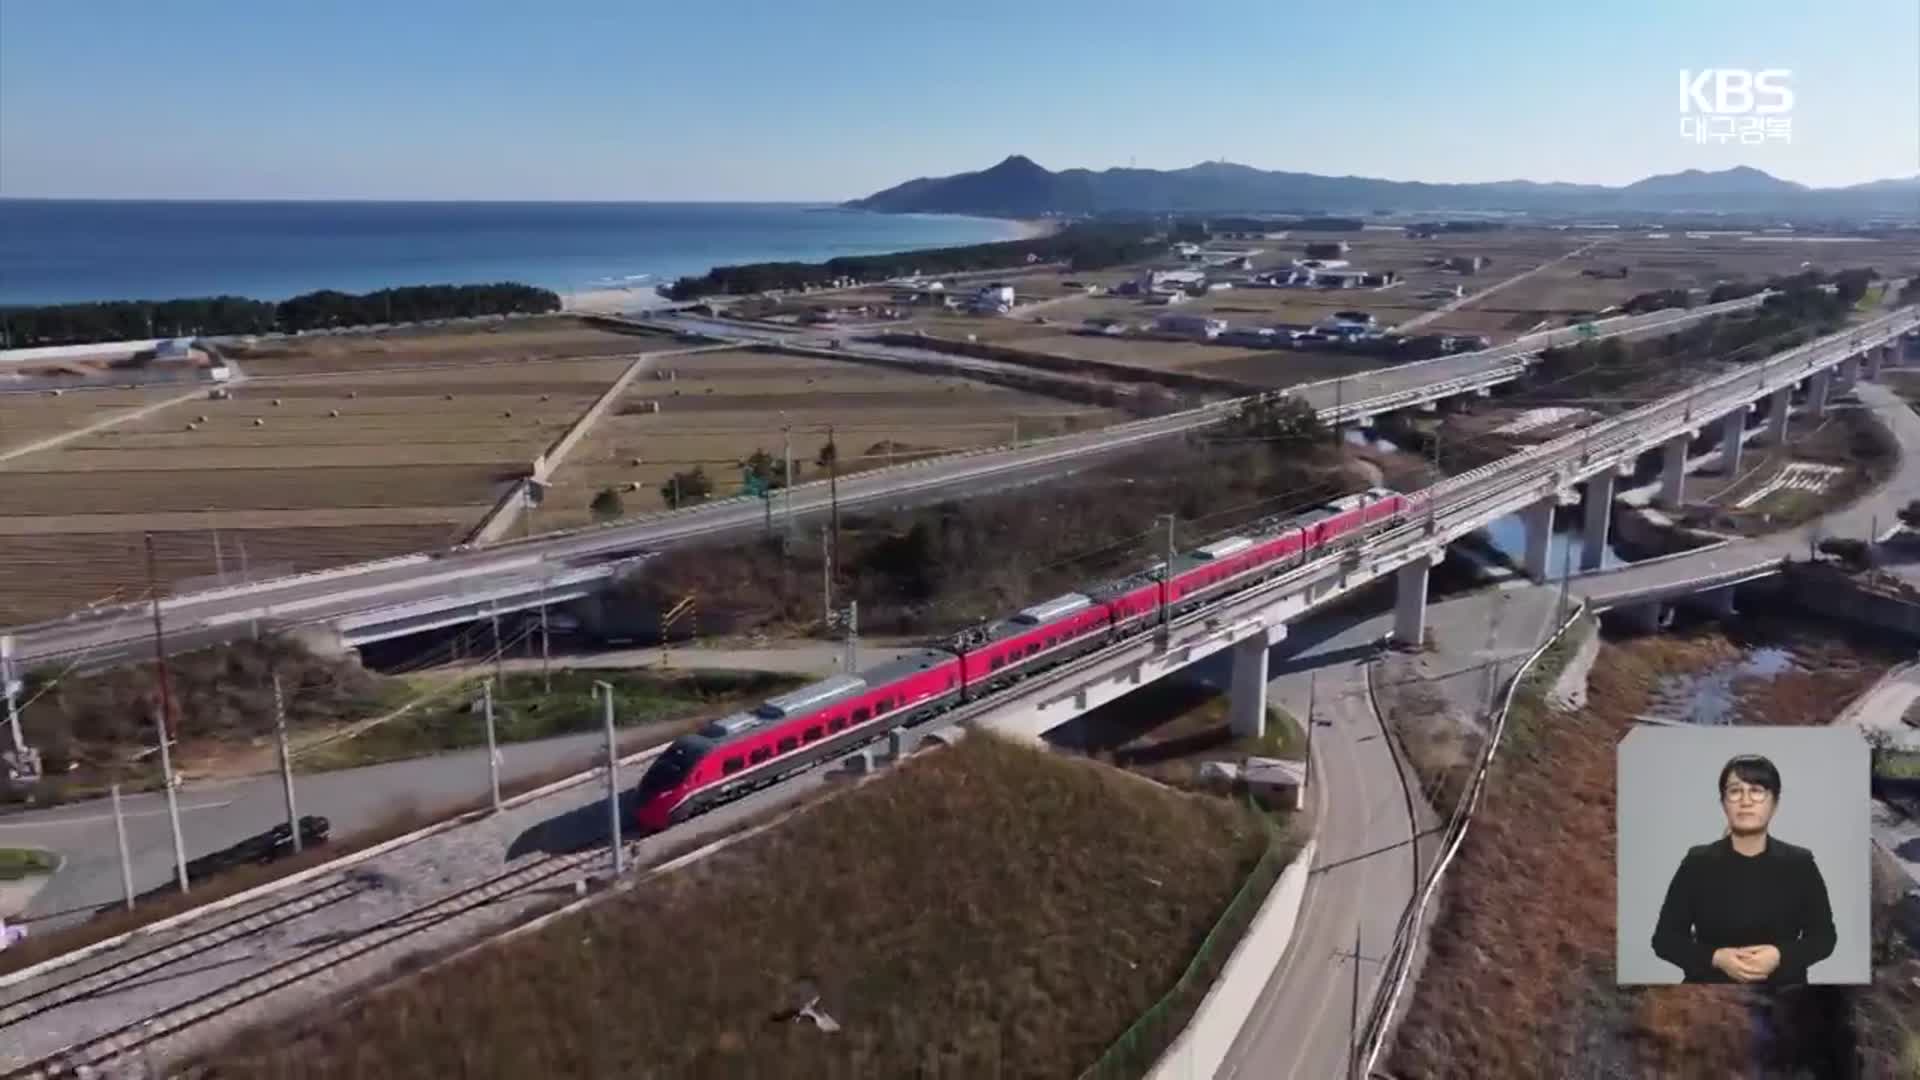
(113, 635)
(1365, 873)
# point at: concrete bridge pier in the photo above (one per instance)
(1599, 518)
(1410, 601)
(1717, 602)
(1673, 471)
(1817, 389)
(1644, 618)
(1779, 411)
(1538, 519)
(1733, 431)
(1849, 371)
(1870, 362)
(1247, 694)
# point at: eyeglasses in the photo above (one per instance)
(1746, 794)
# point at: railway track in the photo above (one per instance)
(102, 1051)
(123, 971)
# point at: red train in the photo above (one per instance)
(747, 750)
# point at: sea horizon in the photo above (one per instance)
(62, 250)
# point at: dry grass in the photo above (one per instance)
(1519, 979)
(992, 911)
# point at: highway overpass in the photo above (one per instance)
(372, 601)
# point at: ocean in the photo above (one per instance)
(62, 251)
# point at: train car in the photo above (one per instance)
(745, 750)
(999, 652)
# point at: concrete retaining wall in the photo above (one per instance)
(1200, 1049)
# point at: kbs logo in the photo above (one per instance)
(1723, 105)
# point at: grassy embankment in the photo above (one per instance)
(1519, 980)
(988, 911)
(17, 863)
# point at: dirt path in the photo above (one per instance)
(52, 441)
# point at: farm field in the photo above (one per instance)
(304, 471)
(50, 575)
(516, 341)
(719, 407)
(31, 415)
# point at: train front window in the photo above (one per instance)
(670, 768)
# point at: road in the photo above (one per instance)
(1364, 871)
(111, 635)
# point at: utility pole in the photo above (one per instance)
(1313, 679)
(286, 761)
(173, 804)
(853, 636)
(833, 498)
(786, 437)
(160, 663)
(546, 646)
(613, 780)
(1566, 575)
(1166, 580)
(826, 577)
(126, 860)
(493, 616)
(493, 750)
(1353, 1025)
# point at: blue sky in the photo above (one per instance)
(589, 100)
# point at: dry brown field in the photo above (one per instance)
(531, 340)
(48, 576)
(721, 406)
(30, 415)
(310, 470)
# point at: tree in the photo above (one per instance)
(1910, 514)
(607, 505)
(828, 455)
(1282, 420)
(686, 487)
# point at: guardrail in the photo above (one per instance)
(1398, 964)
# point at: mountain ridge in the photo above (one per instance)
(1018, 186)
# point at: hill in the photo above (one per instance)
(1020, 187)
(984, 911)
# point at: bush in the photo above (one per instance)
(608, 505)
(1847, 550)
(686, 487)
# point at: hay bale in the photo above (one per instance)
(259, 422)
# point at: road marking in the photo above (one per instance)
(92, 818)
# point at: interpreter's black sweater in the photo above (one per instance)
(1720, 899)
